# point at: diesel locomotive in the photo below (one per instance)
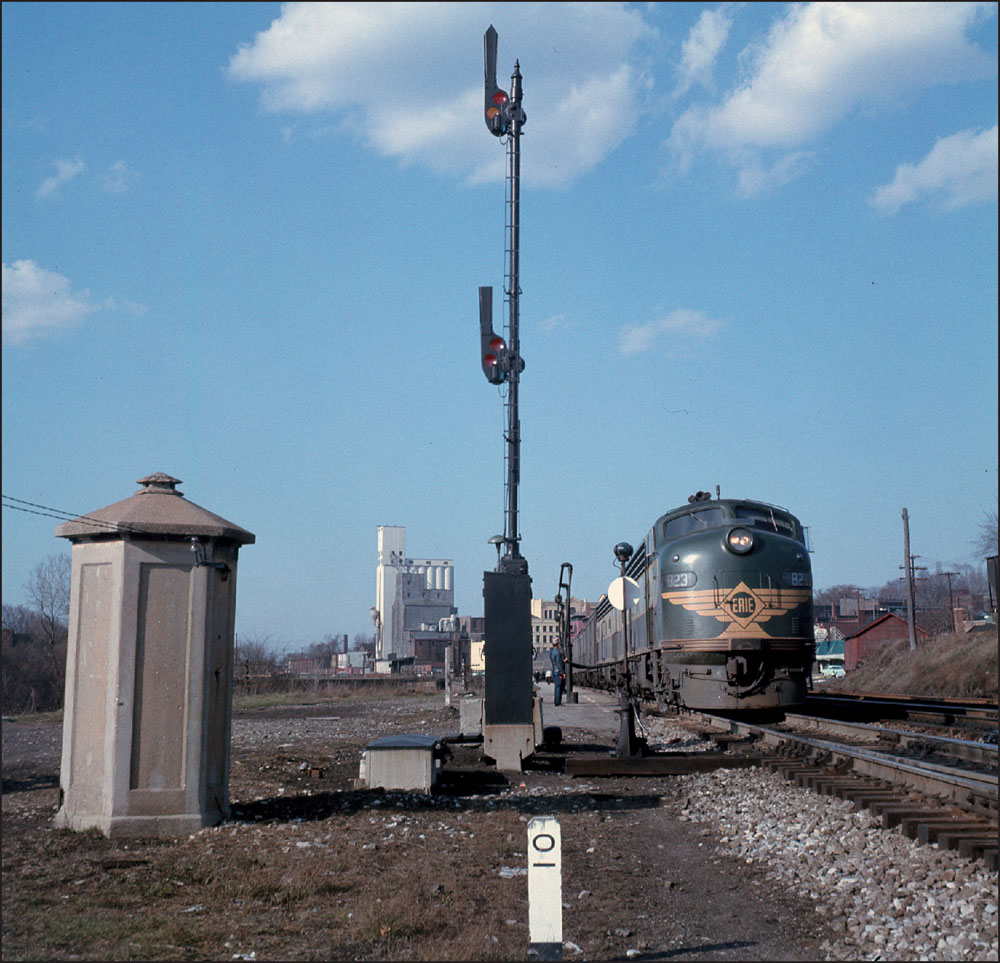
(724, 615)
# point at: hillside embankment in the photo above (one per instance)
(948, 666)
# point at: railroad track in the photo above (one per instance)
(976, 718)
(927, 786)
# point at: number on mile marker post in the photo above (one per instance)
(545, 888)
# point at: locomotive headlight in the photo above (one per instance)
(739, 540)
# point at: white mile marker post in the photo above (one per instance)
(545, 888)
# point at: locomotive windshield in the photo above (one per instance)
(757, 515)
(693, 522)
(761, 516)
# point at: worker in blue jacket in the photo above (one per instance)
(558, 671)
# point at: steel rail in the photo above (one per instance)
(942, 781)
(981, 753)
(969, 708)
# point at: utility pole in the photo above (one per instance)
(907, 567)
(951, 600)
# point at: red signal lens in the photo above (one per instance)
(497, 343)
(490, 359)
(499, 97)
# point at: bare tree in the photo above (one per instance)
(48, 590)
(19, 620)
(832, 595)
(34, 640)
(987, 538)
(254, 657)
(327, 650)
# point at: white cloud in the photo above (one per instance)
(37, 302)
(132, 307)
(555, 323)
(756, 177)
(822, 61)
(66, 170)
(960, 170)
(700, 49)
(119, 178)
(681, 327)
(408, 78)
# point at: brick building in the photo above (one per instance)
(865, 643)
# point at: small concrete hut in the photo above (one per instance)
(148, 707)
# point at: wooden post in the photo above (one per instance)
(908, 571)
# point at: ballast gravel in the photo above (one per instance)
(882, 895)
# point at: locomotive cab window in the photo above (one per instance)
(769, 519)
(693, 522)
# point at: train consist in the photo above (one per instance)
(724, 617)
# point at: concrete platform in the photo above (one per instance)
(595, 712)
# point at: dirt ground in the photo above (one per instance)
(309, 868)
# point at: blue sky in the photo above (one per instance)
(242, 245)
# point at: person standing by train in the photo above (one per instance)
(558, 671)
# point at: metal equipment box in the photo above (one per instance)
(408, 761)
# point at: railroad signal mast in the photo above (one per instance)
(508, 706)
(501, 358)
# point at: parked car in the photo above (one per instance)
(833, 671)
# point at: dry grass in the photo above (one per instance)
(341, 875)
(956, 666)
(280, 691)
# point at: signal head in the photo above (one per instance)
(492, 348)
(496, 99)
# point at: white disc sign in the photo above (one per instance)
(623, 591)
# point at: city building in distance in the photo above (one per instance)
(414, 602)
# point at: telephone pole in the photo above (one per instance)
(951, 600)
(907, 567)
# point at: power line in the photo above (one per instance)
(58, 513)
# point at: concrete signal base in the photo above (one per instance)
(511, 745)
(509, 706)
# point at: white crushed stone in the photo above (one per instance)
(663, 735)
(882, 895)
